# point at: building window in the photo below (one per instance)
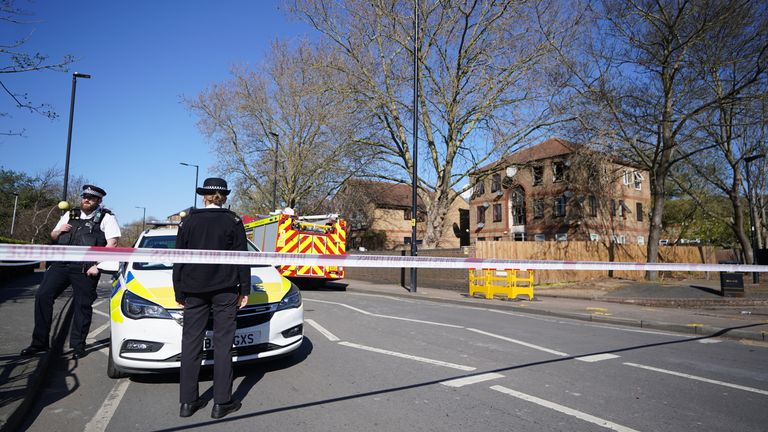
(639, 211)
(519, 236)
(539, 237)
(497, 212)
(517, 201)
(481, 215)
(620, 208)
(538, 175)
(640, 240)
(538, 208)
(407, 214)
(627, 177)
(496, 183)
(619, 239)
(559, 208)
(481, 239)
(638, 180)
(594, 237)
(558, 171)
(479, 188)
(613, 207)
(561, 237)
(592, 206)
(497, 239)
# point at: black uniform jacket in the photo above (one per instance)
(211, 229)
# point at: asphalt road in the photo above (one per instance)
(378, 363)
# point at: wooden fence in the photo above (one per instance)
(594, 251)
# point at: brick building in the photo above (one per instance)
(559, 191)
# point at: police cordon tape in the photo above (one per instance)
(10, 252)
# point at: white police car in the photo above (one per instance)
(146, 321)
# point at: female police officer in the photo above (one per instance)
(201, 288)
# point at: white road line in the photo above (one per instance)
(408, 356)
(331, 337)
(98, 312)
(564, 409)
(698, 378)
(526, 344)
(597, 357)
(98, 303)
(461, 382)
(709, 341)
(387, 316)
(340, 304)
(383, 296)
(631, 330)
(98, 330)
(100, 421)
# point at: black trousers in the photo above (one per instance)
(196, 311)
(57, 278)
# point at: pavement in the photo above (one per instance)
(695, 307)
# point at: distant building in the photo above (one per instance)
(560, 191)
(378, 216)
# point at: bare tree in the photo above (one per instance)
(281, 122)
(485, 69)
(17, 60)
(644, 81)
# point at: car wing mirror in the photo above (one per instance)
(109, 267)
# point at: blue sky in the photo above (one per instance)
(131, 129)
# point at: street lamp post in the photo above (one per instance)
(75, 76)
(15, 202)
(752, 232)
(143, 218)
(274, 178)
(194, 200)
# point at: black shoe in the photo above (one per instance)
(79, 353)
(32, 350)
(187, 409)
(220, 410)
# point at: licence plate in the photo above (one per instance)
(244, 338)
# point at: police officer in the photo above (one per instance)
(89, 225)
(202, 288)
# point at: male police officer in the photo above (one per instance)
(89, 225)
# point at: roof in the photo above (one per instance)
(385, 194)
(546, 149)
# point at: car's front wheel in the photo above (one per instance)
(112, 370)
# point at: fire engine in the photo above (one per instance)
(285, 232)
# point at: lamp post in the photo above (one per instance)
(75, 76)
(414, 197)
(143, 218)
(752, 232)
(15, 202)
(274, 178)
(194, 199)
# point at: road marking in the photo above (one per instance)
(526, 344)
(597, 357)
(383, 296)
(709, 341)
(100, 421)
(331, 337)
(461, 382)
(564, 409)
(388, 316)
(624, 329)
(698, 378)
(98, 330)
(104, 314)
(340, 304)
(408, 356)
(98, 303)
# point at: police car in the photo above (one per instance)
(146, 321)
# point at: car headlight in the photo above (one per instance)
(292, 299)
(136, 307)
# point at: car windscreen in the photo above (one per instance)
(169, 242)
